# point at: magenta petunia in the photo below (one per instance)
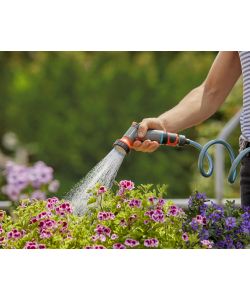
(131, 243)
(185, 237)
(102, 189)
(119, 246)
(151, 243)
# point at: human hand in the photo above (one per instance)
(147, 145)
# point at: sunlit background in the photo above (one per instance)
(67, 108)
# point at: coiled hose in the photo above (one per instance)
(204, 153)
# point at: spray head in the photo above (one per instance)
(124, 144)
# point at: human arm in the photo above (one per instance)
(198, 105)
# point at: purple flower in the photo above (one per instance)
(53, 186)
(185, 237)
(151, 243)
(194, 224)
(156, 215)
(230, 223)
(131, 243)
(135, 203)
(119, 246)
(11, 191)
(37, 194)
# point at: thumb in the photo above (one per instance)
(142, 130)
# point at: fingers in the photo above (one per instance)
(149, 123)
(146, 146)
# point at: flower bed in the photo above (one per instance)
(126, 217)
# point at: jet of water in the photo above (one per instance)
(103, 173)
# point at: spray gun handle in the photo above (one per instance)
(165, 138)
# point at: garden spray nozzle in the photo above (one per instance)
(163, 138)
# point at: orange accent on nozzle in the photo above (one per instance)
(175, 143)
(127, 141)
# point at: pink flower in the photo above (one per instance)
(34, 245)
(199, 219)
(151, 243)
(102, 190)
(43, 215)
(207, 244)
(123, 223)
(47, 224)
(131, 243)
(185, 237)
(114, 236)
(99, 247)
(1, 229)
(132, 217)
(15, 234)
(51, 202)
(2, 240)
(45, 234)
(125, 185)
(156, 215)
(151, 199)
(161, 202)
(105, 215)
(135, 203)
(119, 246)
(102, 230)
(63, 209)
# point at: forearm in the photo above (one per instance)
(194, 108)
(205, 100)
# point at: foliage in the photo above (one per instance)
(126, 217)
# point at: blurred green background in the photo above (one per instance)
(67, 108)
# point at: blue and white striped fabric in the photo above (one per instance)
(245, 115)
